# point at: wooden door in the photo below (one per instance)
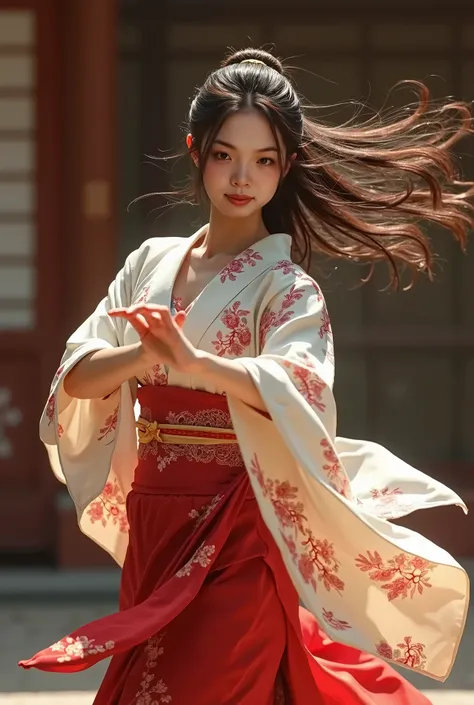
(30, 288)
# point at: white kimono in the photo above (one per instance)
(326, 500)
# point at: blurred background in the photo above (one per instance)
(88, 88)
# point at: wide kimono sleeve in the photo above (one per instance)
(91, 443)
(380, 587)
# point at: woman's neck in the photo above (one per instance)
(232, 235)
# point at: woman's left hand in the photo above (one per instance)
(161, 336)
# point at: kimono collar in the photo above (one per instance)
(226, 285)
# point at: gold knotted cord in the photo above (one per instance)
(149, 431)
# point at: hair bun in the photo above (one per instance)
(251, 55)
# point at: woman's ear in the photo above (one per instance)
(192, 151)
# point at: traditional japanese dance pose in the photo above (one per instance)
(193, 421)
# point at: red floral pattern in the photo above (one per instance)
(233, 269)
(144, 294)
(335, 472)
(239, 338)
(315, 558)
(308, 384)
(338, 624)
(409, 653)
(50, 413)
(402, 576)
(272, 319)
(110, 424)
(110, 507)
(325, 329)
(156, 377)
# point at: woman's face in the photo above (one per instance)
(242, 172)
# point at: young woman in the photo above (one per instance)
(243, 502)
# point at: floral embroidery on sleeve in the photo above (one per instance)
(336, 474)
(402, 576)
(308, 383)
(315, 558)
(338, 624)
(110, 424)
(239, 338)
(409, 653)
(50, 414)
(79, 647)
(234, 268)
(110, 506)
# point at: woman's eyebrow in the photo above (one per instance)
(231, 146)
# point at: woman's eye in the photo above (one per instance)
(221, 155)
(265, 161)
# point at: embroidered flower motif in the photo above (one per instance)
(110, 424)
(338, 624)
(402, 576)
(110, 506)
(156, 376)
(314, 557)
(152, 691)
(336, 474)
(388, 502)
(287, 267)
(79, 647)
(409, 653)
(308, 384)
(206, 510)
(325, 329)
(234, 268)
(50, 414)
(239, 338)
(144, 294)
(202, 557)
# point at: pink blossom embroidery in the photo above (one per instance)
(287, 267)
(409, 653)
(206, 510)
(110, 506)
(402, 576)
(156, 377)
(308, 383)
(336, 474)
(234, 268)
(315, 558)
(144, 294)
(338, 624)
(110, 424)
(50, 414)
(239, 338)
(325, 328)
(74, 648)
(202, 557)
(152, 691)
(274, 319)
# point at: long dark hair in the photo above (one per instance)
(358, 191)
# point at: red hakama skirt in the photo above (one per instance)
(208, 614)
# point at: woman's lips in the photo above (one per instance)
(239, 200)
